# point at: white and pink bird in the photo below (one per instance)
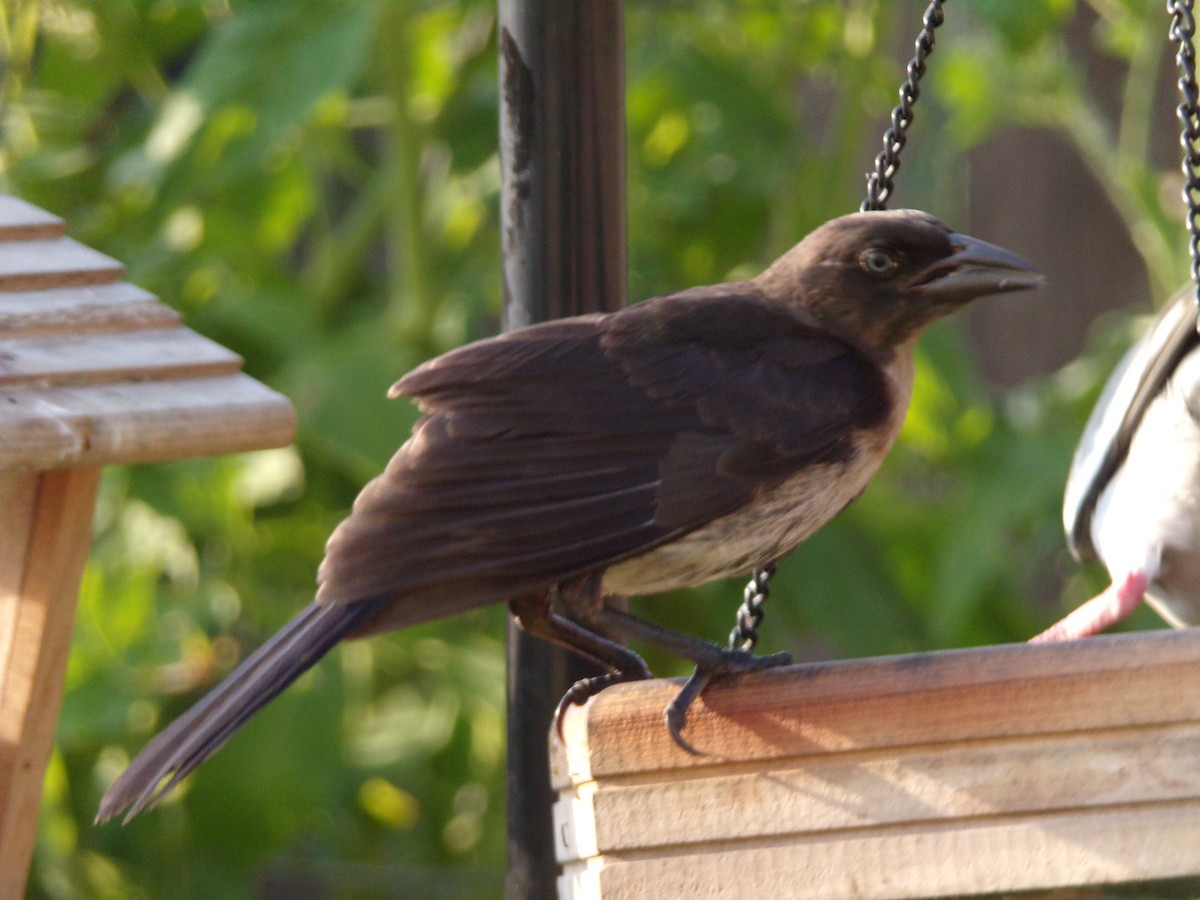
(1133, 494)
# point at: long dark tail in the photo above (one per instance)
(200, 732)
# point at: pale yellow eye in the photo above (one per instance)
(877, 261)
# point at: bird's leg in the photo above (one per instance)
(710, 659)
(705, 654)
(1103, 610)
(535, 615)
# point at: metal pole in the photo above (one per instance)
(562, 152)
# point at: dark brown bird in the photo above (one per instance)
(690, 437)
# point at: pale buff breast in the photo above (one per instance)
(776, 521)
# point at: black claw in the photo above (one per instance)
(577, 695)
(675, 715)
(585, 688)
(732, 662)
(674, 725)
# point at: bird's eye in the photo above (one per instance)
(878, 261)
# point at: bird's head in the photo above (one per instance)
(880, 277)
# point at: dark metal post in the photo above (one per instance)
(562, 151)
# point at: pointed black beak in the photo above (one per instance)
(973, 269)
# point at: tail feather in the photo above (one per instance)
(200, 732)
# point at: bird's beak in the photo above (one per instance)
(973, 269)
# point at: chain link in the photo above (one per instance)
(750, 614)
(1183, 30)
(880, 183)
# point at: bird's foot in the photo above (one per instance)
(586, 688)
(1105, 609)
(733, 662)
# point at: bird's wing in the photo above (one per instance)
(560, 449)
(1135, 382)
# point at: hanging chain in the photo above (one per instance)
(880, 182)
(1183, 30)
(750, 614)
(880, 185)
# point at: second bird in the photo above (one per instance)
(694, 436)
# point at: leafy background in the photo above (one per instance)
(314, 184)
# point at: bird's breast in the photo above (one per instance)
(1147, 518)
(779, 516)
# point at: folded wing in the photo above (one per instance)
(561, 449)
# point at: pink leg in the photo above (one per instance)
(1103, 610)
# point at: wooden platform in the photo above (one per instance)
(980, 771)
(93, 370)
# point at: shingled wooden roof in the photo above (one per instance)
(95, 370)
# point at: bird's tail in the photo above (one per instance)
(200, 732)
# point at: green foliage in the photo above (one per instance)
(314, 184)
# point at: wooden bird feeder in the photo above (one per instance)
(982, 771)
(93, 370)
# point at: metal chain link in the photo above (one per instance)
(750, 614)
(1183, 30)
(880, 183)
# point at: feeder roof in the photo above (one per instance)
(95, 370)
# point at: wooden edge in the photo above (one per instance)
(144, 421)
(28, 265)
(119, 306)
(879, 790)
(1023, 854)
(20, 220)
(826, 708)
(96, 358)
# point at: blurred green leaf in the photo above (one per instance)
(1023, 23)
(275, 59)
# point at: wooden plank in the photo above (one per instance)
(98, 358)
(107, 307)
(1126, 844)
(129, 422)
(18, 504)
(54, 262)
(41, 616)
(18, 494)
(827, 708)
(24, 221)
(1091, 769)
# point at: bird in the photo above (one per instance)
(693, 436)
(1132, 499)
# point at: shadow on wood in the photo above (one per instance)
(979, 771)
